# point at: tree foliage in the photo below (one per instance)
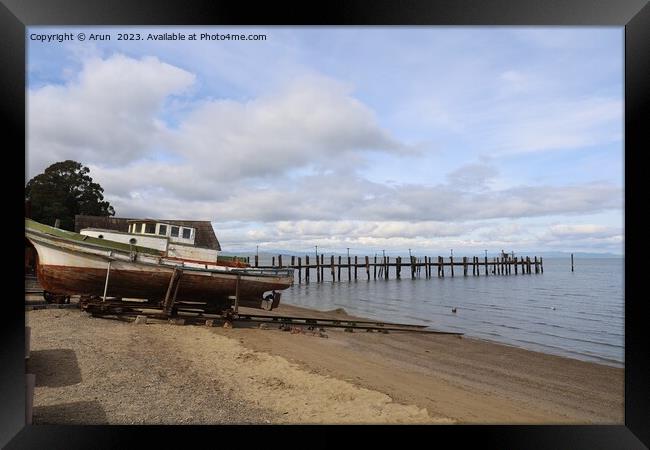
(63, 190)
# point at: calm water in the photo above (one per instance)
(587, 321)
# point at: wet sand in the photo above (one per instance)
(120, 372)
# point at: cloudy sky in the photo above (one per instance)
(428, 138)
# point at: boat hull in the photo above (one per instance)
(70, 269)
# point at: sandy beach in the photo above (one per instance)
(99, 371)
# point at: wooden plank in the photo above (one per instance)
(339, 268)
(257, 260)
(515, 265)
(541, 264)
(280, 260)
(317, 269)
(464, 266)
(451, 260)
(307, 269)
(332, 268)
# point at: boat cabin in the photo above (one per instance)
(175, 233)
(176, 240)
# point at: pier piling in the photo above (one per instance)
(500, 265)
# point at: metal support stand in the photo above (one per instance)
(168, 303)
(237, 294)
(108, 272)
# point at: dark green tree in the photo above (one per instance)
(63, 190)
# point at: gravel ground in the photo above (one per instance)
(99, 371)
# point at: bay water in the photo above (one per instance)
(576, 314)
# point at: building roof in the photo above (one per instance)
(205, 236)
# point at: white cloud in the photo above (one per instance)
(561, 231)
(289, 161)
(311, 121)
(107, 115)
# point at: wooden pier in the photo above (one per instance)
(384, 267)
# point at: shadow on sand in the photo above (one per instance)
(54, 368)
(74, 413)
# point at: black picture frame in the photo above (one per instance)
(634, 15)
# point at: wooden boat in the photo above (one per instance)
(79, 264)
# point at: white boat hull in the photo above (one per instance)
(72, 268)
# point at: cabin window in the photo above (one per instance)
(187, 232)
(150, 228)
(174, 232)
(101, 236)
(162, 229)
(132, 241)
